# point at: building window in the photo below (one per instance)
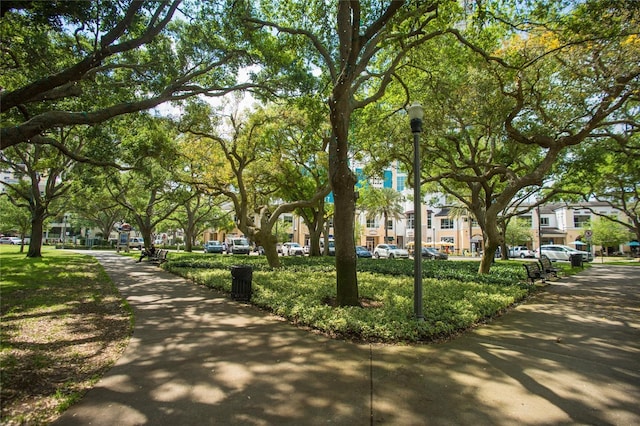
(544, 221)
(474, 223)
(410, 220)
(428, 221)
(376, 182)
(390, 224)
(527, 220)
(446, 223)
(581, 221)
(372, 223)
(402, 183)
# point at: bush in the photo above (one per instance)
(303, 291)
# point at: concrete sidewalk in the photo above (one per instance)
(571, 355)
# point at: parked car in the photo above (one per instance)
(557, 252)
(213, 246)
(363, 252)
(390, 251)
(332, 248)
(10, 240)
(238, 246)
(521, 252)
(292, 249)
(431, 253)
(136, 242)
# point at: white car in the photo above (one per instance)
(557, 252)
(10, 240)
(136, 242)
(292, 249)
(521, 252)
(238, 246)
(390, 251)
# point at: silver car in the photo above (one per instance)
(559, 252)
(521, 252)
(10, 240)
(390, 251)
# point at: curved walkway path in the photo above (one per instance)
(571, 355)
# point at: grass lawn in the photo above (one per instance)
(303, 291)
(63, 325)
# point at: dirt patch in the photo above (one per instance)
(51, 355)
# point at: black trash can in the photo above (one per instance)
(241, 282)
(576, 260)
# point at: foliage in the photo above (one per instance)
(43, 181)
(518, 232)
(259, 160)
(149, 191)
(509, 100)
(607, 171)
(608, 233)
(385, 202)
(455, 296)
(14, 218)
(88, 62)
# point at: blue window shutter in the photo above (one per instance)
(388, 179)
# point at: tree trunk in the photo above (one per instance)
(491, 243)
(487, 258)
(271, 252)
(314, 241)
(385, 218)
(346, 277)
(343, 183)
(189, 237)
(504, 250)
(315, 223)
(37, 228)
(264, 236)
(269, 242)
(144, 227)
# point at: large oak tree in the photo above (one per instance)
(502, 111)
(355, 47)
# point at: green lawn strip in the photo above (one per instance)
(618, 262)
(455, 296)
(63, 325)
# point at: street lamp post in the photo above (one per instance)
(415, 116)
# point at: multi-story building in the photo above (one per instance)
(451, 228)
(370, 231)
(559, 223)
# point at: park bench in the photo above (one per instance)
(159, 257)
(534, 272)
(547, 267)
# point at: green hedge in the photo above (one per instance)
(303, 291)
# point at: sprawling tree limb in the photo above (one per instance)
(33, 91)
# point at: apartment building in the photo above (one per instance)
(451, 228)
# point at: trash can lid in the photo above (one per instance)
(241, 267)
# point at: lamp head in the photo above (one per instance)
(416, 113)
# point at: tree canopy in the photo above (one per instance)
(88, 62)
